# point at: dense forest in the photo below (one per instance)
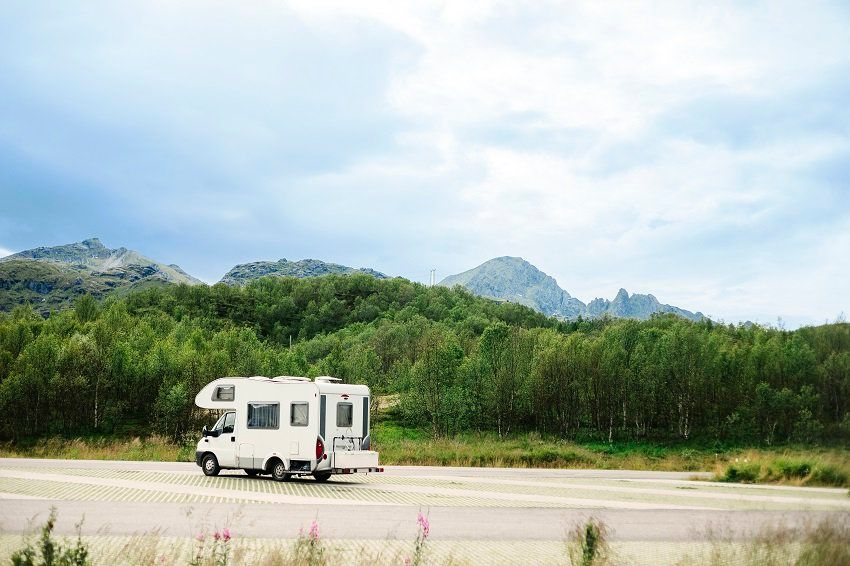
(448, 360)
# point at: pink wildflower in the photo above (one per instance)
(423, 522)
(200, 537)
(314, 530)
(225, 534)
(216, 535)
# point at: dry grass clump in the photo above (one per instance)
(587, 544)
(825, 543)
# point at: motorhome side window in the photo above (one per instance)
(344, 415)
(263, 415)
(224, 393)
(299, 414)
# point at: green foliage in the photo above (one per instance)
(793, 469)
(825, 474)
(455, 362)
(86, 308)
(50, 552)
(746, 472)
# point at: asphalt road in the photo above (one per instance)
(125, 498)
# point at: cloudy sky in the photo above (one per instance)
(700, 152)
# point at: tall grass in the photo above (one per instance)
(814, 467)
(48, 551)
(405, 446)
(152, 448)
(790, 465)
(825, 543)
(216, 546)
(588, 544)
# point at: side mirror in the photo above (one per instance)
(204, 431)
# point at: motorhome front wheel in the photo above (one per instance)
(210, 465)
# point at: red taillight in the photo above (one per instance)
(320, 448)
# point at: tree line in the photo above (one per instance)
(452, 362)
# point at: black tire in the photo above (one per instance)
(252, 473)
(322, 477)
(209, 465)
(278, 470)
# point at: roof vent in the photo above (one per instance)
(327, 379)
(290, 378)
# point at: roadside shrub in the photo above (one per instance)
(50, 552)
(689, 455)
(788, 470)
(747, 472)
(544, 456)
(825, 474)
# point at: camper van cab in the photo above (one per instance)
(286, 426)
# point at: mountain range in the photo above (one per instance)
(516, 280)
(51, 278)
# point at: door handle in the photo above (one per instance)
(232, 439)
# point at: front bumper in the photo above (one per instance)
(198, 456)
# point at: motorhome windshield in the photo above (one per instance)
(225, 422)
(219, 423)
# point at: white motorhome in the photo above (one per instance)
(286, 426)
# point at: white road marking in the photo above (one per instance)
(183, 489)
(666, 492)
(4, 495)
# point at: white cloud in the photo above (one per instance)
(406, 136)
(4, 252)
(666, 224)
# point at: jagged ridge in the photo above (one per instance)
(514, 279)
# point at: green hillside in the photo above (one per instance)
(245, 272)
(51, 278)
(49, 286)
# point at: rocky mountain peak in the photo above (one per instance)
(514, 279)
(93, 256)
(244, 272)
